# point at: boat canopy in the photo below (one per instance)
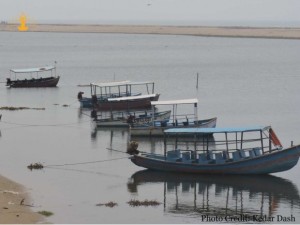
(130, 98)
(32, 70)
(111, 84)
(120, 83)
(216, 130)
(141, 83)
(175, 102)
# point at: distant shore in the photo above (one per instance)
(246, 32)
(15, 204)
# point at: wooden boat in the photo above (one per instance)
(244, 150)
(177, 120)
(124, 119)
(118, 96)
(35, 79)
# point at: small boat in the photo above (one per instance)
(124, 119)
(35, 80)
(118, 96)
(244, 150)
(178, 120)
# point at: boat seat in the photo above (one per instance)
(202, 158)
(242, 153)
(173, 155)
(219, 158)
(251, 153)
(186, 157)
(210, 155)
(257, 151)
(206, 159)
(236, 156)
(225, 155)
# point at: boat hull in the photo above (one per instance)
(86, 102)
(34, 83)
(144, 103)
(277, 161)
(159, 131)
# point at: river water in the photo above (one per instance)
(241, 81)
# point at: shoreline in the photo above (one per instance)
(205, 31)
(14, 204)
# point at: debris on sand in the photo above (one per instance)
(135, 203)
(108, 204)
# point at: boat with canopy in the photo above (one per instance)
(177, 119)
(119, 96)
(35, 77)
(238, 150)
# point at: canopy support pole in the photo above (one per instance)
(226, 143)
(262, 141)
(196, 113)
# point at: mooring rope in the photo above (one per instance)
(116, 150)
(80, 163)
(43, 125)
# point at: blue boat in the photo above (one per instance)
(242, 150)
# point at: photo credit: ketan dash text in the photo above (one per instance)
(248, 218)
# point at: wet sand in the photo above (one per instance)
(254, 32)
(12, 209)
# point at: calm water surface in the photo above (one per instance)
(242, 82)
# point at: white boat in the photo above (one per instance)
(156, 128)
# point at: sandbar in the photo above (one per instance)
(246, 32)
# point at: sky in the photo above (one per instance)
(173, 12)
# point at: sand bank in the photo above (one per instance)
(254, 32)
(12, 208)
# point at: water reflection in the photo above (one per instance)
(223, 196)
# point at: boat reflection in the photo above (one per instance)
(216, 195)
(119, 138)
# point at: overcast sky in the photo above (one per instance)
(154, 11)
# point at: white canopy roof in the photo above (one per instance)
(175, 102)
(141, 83)
(120, 83)
(111, 84)
(32, 70)
(130, 98)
